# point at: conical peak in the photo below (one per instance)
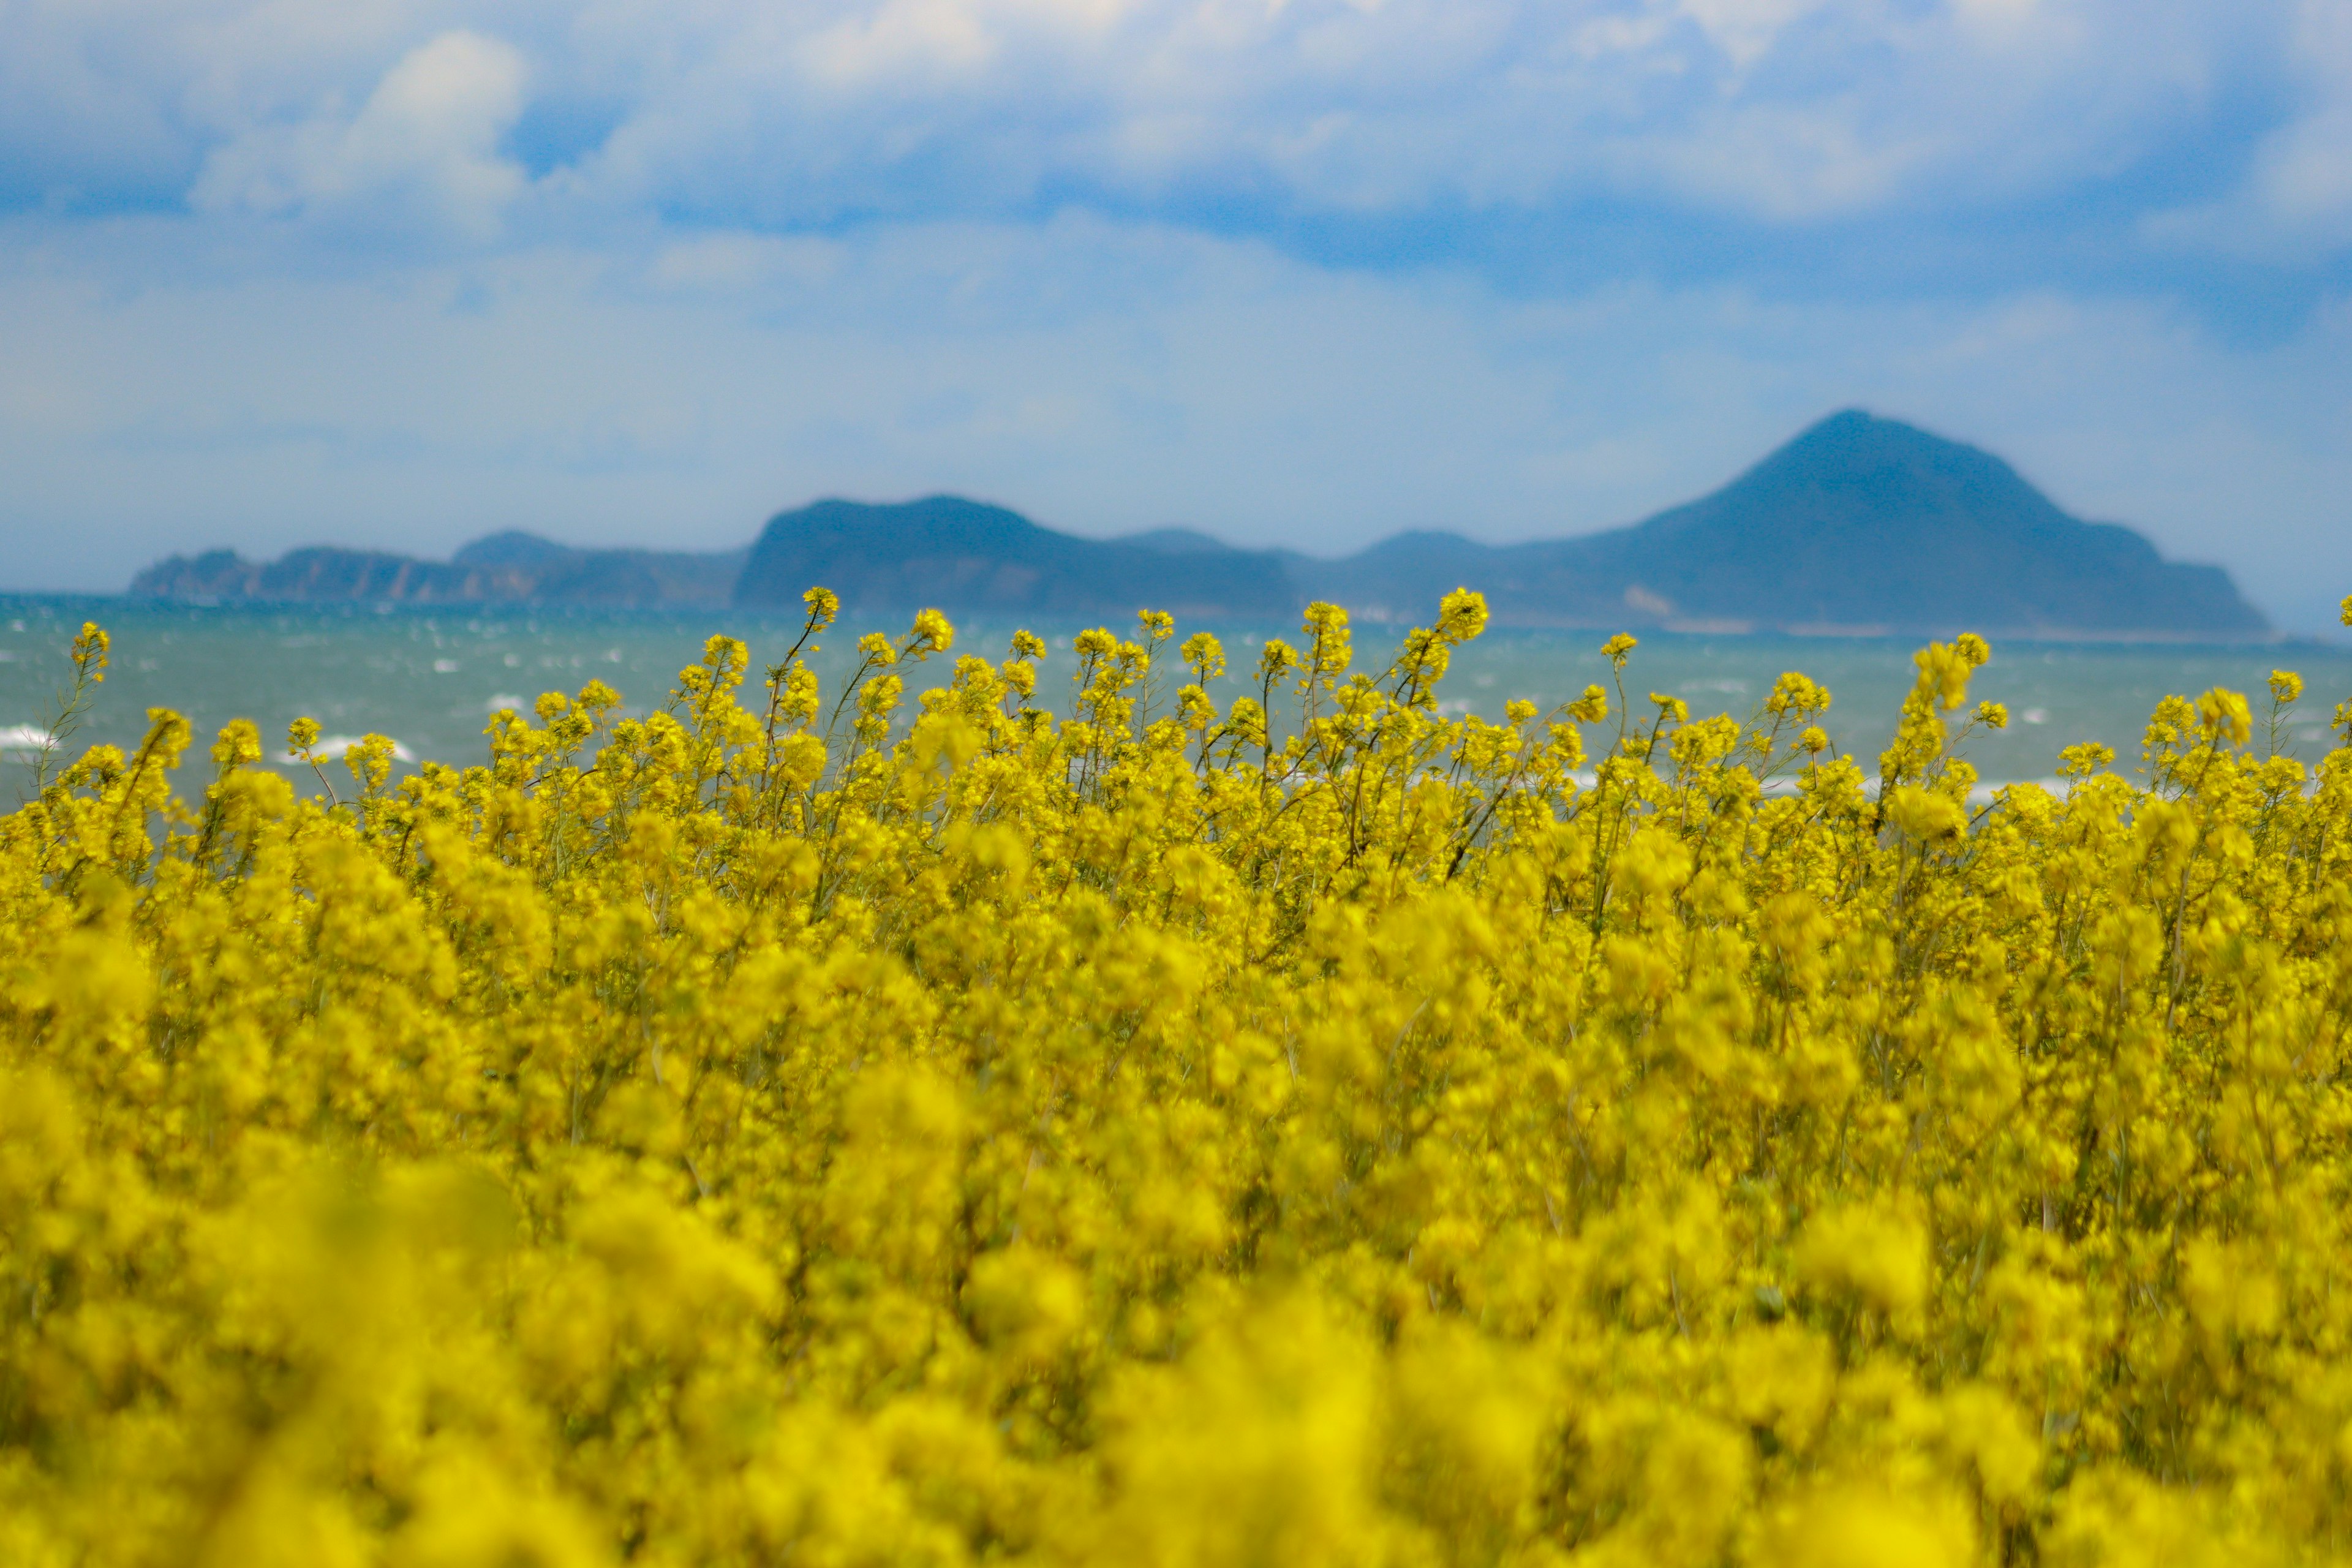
(1851, 432)
(1852, 451)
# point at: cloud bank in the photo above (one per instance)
(1300, 270)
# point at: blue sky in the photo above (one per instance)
(277, 272)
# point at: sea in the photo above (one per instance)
(431, 678)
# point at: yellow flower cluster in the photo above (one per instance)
(792, 1129)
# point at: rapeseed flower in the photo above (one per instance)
(839, 1130)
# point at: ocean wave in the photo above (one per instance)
(332, 747)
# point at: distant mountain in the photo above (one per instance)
(560, 574)
(960, 554)
(1860, 524)
(505, 568)
(1175, 541)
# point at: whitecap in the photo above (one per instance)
(330, 748)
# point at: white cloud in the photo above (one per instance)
(426, 141)
(800, 111)
(2296, 200)
(1770, 109)
(1781, 161)
(735, 261)
(902, 39)
(2304, 174)
(1744, 30)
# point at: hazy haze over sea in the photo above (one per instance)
(431, 679)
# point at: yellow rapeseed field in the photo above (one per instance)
(792, 1130)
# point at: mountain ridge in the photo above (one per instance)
(1858, 524)
(953, 553)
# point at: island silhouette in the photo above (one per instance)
(1860, 525)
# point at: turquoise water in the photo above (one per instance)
(431, 679)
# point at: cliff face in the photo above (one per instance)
(1859, 524)
(505, 568)
(325, 573)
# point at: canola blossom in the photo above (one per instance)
(792, 1129)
